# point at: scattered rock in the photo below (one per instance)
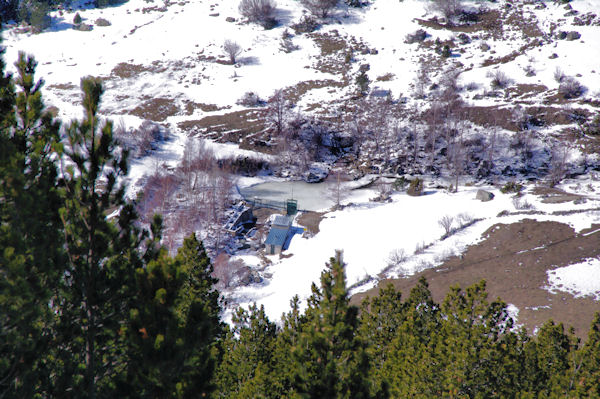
(484, 46)
(553, 56)
(415, 37)
(230, 19)
(102, 22)
(464, 38)
(573, 35)
(484, 196)
(83, 27)
(214, 14)
(316, 173)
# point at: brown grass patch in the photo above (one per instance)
(385, 78)
(125, 70)
(552, 195)
(191, 106)
(311, 221)
(329, 43)
(489, 21)
(63, 86)
(525, 90)
(513, 259)
(294, 93)
(156, 109)
(229, 127)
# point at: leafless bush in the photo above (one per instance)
(570, 88)
(529, 70)
(559, 75)
(228, 270)
(465, 218)
(521, 203)
(232, 50)
(448, 8)
(319, 8)
(307, 24)
(396, 258)
(471, 86)
(415, 37)
(260, 11)
(286, 43)
(500, 80)
(250, 99)
(278, 110)
(420, 248)
(446, 223)
(140, 141)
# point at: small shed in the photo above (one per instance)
(278, 235)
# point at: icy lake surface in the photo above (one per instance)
(310, 196)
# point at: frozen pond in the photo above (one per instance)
(310, 196)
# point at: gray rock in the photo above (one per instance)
(484, 196)
(573, 35)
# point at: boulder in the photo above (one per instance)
(316, 173)
(484, 196)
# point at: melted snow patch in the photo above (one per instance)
(580, 279)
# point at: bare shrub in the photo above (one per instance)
(465, 218)
(227, 271)
(521, 204)
(420, 248)
(559, 75)
(396, 257)
(319, 8)
(307, 24)
(448, 8)
(232, 50)
(141, 141)
(286, 43)
(570, 88)
(416, 37)
(500, 80)
(250, 99)
(260, 11)
(529, 70)
(446, 223)
(278, 110)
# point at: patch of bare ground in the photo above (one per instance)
(125, 70)
(514, 259)
(311, 221)
(524, 23)
(551, 195)
(231, 126)
(488, 21)
(156, 109)
(63, 86)
(191, 106)
(295, 93)
(503, 116)
(512, 55)
(525, 90)
(385, 78)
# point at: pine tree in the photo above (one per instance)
(589, 382)
(248, 367)
(381, 318)
(30, 250)
(102, 253)
(174, 326)
(330, 360)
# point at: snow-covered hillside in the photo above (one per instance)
(164, 62)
